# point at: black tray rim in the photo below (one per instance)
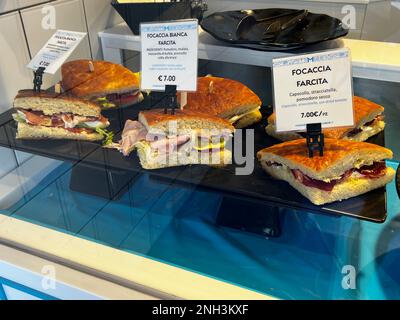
(274, 46)
(162, 174)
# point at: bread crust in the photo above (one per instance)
(364, 112)
(224, 98)
(364, 135)
(248, 120)
(347, 189)
(151, 162)
(107, 78)
(339, 157)
(52, 103)
(28, 132)
(282, 136)
(157, 120)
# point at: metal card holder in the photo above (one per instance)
(38, 79)
(315, 139)
(172, 103)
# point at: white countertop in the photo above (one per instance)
(119, 266)
(371, 60)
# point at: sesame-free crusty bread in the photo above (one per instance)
(28, 132)
(52, 103)
(183, 121)
(248, 120)
(349, 188)
(282, 136)
(222, 97)
(150, 161)
(339, 157)
(364, 112)
(106, 78)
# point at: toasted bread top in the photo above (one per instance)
(339, 157)
(186, 120)
(364, 112)
(222, 97)
(106, 78)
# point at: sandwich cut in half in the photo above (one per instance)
(346, 170)
(227, 99)
(184, 138)
(108, 84)
(48, 115)
(368, 119)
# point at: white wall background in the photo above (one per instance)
(22, 35)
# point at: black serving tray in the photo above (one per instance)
(258, 186)
(315, 28)
(136, 13)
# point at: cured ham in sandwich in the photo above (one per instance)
(368, 117)
(47, 115)
(346, 170)
(108, 84)
(165, 140)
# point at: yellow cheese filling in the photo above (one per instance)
(238, 117)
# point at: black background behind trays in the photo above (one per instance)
(258, 185)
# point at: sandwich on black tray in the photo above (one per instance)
(183, 138)
(347, 168)
(108, 84)
(227, 99)
(368, 118)
(45, 115)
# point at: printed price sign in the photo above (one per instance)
(313, 88)
(56, 50)
(169, 55)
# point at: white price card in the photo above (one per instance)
(313, 88)
(56, 51)
(169, 55)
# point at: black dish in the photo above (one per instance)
(313, 29)
(258, 187)
(136, 13)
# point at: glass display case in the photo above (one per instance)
(199, 232)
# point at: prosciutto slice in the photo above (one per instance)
(368, 124)
(319, 184)
(64, 120)
(37, 118)
(133, 132)
(168, 144)
(374, 171)
(161, 144)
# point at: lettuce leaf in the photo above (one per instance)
(18, 118)
(107, 135)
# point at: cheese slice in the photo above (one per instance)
(219, 145)
(238, 117)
